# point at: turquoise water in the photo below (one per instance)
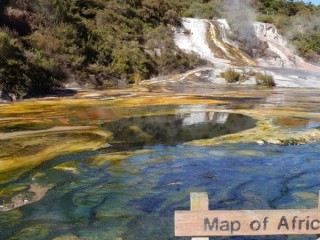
(173, 129)
(135, 198)
(102, 195)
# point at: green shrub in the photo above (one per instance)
(280, 21)
(12, 79)
(230, 75)
(298, 22)
(121, 41)
(307, 43)
(200, 10)
(167, 58)
(265, 79)
(104, 43)
(18, 75)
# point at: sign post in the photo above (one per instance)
(201, 223)
(198, 202)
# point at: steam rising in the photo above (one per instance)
(241, 15)
(304, 23)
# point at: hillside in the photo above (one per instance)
(48, 44)
(272, 57)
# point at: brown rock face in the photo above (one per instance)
(18, 20)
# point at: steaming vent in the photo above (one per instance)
(214, 41)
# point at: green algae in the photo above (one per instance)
(248, 153)
(264, 134)
(34, 193)
(40, 231)
(22, 153)
(71, 167)
(11, 126)
(10, 190)
(115, 157)
(139, 135)
(229, 52)
(267, 130)
(29, 152)
(66, 237)
(305, 195)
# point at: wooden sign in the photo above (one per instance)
(199, 222)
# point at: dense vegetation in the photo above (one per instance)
(262, 79)
(230, 75)
(44, 43)
(265, 79)
(300, 22)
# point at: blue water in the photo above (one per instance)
(135, 198)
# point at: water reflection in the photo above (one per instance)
(136, 198)
(173, 129)
(204, 117)
(298, 122)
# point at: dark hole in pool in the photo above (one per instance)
(175, 129)
(297, 122)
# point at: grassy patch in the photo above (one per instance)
(230, 75)
(265, 79)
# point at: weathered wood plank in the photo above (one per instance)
(318, 236)
(247, 222)
(198, 202)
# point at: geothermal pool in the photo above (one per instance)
(105, 165)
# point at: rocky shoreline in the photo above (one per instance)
(34, 194)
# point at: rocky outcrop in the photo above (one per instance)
(7, 97)
(22, 22)
(214, 41)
